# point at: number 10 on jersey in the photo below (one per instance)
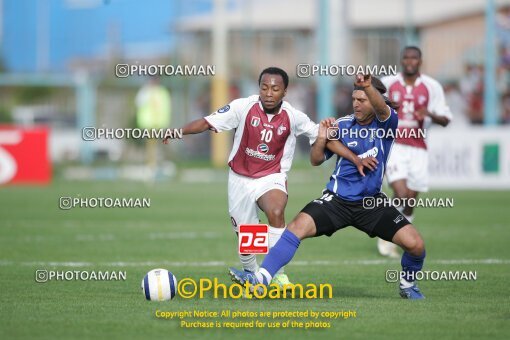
(266, 135)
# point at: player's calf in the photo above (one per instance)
(412, 260)
(411, 265)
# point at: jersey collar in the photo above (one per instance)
(417, 82)
(262, 108)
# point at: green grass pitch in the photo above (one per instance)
(187, 230)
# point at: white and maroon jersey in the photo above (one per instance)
(263, 144)
(426, 93)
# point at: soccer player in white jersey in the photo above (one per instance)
(266, 128)
(421, 101)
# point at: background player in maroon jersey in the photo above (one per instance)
(421, 102)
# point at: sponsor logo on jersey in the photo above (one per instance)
(263, 148)
(352, 144)
(259, 155)
(370, 153)
(421, 99)
(255, 121)
(281, 130)
(395, 96)
(224, 109)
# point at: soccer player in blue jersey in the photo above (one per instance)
(349, 196)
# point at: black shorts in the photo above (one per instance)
(331, 214)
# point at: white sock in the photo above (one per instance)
(263, 275)
(249, 262)
(274, 236)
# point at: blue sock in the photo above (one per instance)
(282, 252)
(411, 265)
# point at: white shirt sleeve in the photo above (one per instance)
(305, 126)
(228, 117)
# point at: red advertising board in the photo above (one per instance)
(24, 155)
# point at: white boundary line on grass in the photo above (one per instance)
(224, 264)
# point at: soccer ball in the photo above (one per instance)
(159, 285)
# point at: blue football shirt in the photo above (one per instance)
(371, 140)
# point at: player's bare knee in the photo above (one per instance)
(416, 246)
(276, 212)
(276, 217)
(420, 247)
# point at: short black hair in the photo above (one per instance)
(415, 48)
(275, 70)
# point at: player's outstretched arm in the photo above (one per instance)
(437, 119)
(436, 109)
(196, 126)
(335, 146)
(317, 150)
(381, 109)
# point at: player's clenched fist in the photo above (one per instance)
(326, 125)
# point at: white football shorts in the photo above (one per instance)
(409, 163)
(243, 193)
